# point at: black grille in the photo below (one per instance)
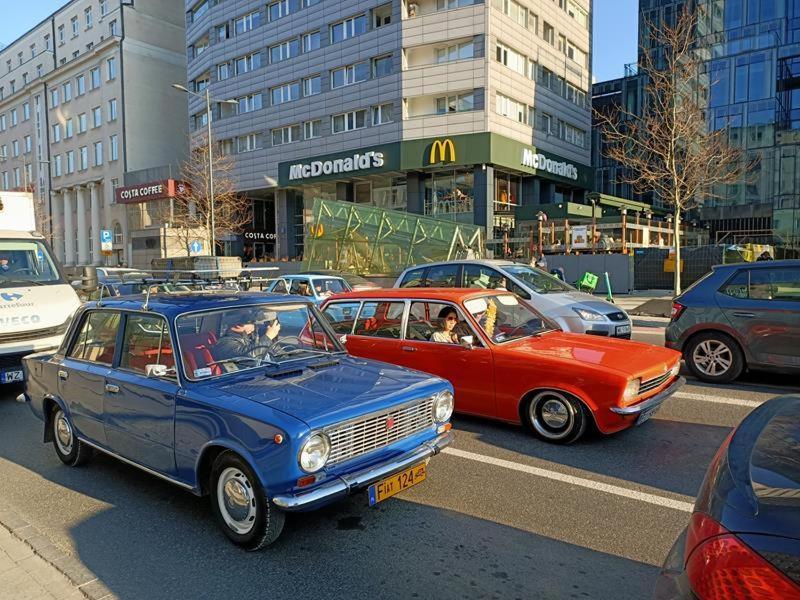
(618, 316)
(12, 360)
(652, 384)
(24, 336)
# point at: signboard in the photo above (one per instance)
(147, 192)
(254, 235)
(195, 248)
(580, 237)
(342, 165)
(540, 162)
(106, 242)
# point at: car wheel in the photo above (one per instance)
(241, 506)
(69, 448)
(714, 357)
(555, 416)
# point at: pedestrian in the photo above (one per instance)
(541, 262)
(765, 255)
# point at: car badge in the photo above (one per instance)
(389, 423)
(10, 297)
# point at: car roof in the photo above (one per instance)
(310, 276)
(493, 262)
(175, 304)
(451, 294)
(761, 264)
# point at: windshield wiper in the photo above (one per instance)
(23, 281)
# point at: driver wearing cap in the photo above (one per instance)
(243, 334)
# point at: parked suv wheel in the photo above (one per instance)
(714, 357)
(555, 416)
(68, 447)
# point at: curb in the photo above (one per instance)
(83, 579)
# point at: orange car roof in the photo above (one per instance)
(451, 294)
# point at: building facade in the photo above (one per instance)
(85, 98)
(458, 109)
(754, 91)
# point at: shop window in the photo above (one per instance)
(450, 194)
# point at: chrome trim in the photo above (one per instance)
(137, 465)
(650, 402)
(345, 484)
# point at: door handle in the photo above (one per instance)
(63, 375)
(744, 315)
(408, 348)
(111, 388)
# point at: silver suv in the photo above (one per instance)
(573, 310)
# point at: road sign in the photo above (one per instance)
(106, 240)
(195, 248)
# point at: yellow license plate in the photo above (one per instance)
(386, 488)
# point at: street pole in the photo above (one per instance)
(211, 175)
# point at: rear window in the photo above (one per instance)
(341, 316)
(413, 279)
(442, 276)
(380, 319)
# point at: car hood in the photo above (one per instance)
(337, 392)
(564, 302)
(25, 308)
(626, 357)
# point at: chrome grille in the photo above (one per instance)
(652, 384)
(24, 336)
(364, 435)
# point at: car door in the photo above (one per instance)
(377, 331)
(470, 370)
(83, 371)
(140, 410)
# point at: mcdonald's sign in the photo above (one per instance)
(441, 150)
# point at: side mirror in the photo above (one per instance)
(156, 370)
(467, 341)
(89, 281)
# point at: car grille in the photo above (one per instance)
(652, 384)
(364, 435)
(617, 316)
(12, 360)
(24, 336)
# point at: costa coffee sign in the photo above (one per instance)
(252, 235)
(148, 192)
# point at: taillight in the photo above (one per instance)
(720, 566)
(677, 311)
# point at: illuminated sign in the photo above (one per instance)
(540, 162)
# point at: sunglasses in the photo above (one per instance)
(451, 318)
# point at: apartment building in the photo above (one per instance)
(458, 109)
(85, 98)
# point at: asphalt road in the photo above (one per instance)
(502, 515)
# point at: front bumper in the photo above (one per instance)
(652, 402)
(351, 482)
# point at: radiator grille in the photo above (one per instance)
(652, 384)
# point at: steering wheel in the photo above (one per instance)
(23, 270)
(274, 349)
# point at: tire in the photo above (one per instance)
(714, 357)
(555, 417)
(240, 505)
(68, 447)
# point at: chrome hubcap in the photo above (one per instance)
(63, 433)
(551, 415)
(236, 500)
(554, 413)
(712, 357)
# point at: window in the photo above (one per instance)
(427, 323)
(285, 135)
(513, 109)
(780, 283)
(512, 59)
(15, 148)
(74, 23)
(82, 123)
(113, 30)
(381, 65)
(223, 71)
(285, 93)
(278, 9)
(27, 141)
(80, 85)
(249, 103)
(3, 123)
(413, 278)
(67, 91)
(312, 85)
(26, 111)
(70, 161)
(113, 150)
(57, 166)
(547, 124)
(577, 13)
(112, 109)
(39, 71)
(145, 342)
(17, 177)
(97, 338)
(247, 23)
(247, 143)
(576, 54)
(348, 28)
(312, 129)
(479, 276)
(340, 315)
(382, 15)
(88, 17)
(284, 50)
(548, 33)
(94, 75)
(442, 276)
(448, 4)
(60, 34)
(518, 13)
(455, 52)
(84, 157)
(382, 114)
(457, 103)
(97, 116)
(68, 131)
(199, 47)
(574, 136)
(311, 41)
(103, 8)
(350, 74)
(202, 83)
(380, 319)
(98, 154)
(222, 32)
(54, 97)
(57, 133)
(111, 68)
(356, 119)
(248, 63)
(117, 232)
(14, 117)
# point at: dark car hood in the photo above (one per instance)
(335, 393)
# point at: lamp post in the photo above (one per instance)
(594, 226)
(208, 99)
(624, 212)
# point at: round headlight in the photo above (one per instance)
(676, 369)
(631, 392)
(315, 452)
(442, 406)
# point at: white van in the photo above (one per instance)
(36, 300)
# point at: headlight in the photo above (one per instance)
(589, 315)
(631, 392)
(315, 452)
(676, 369)
(442, 406)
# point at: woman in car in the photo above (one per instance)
(448, 319)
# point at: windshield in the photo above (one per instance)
(26, 262)
(539, 281)
(505, 318)
(330, 285)
(267, 337)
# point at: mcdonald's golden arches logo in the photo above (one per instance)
(441, 150)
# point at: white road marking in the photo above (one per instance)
(573, 480)
(718, 399)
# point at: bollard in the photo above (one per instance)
(609, 297)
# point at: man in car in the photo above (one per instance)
(242, 337)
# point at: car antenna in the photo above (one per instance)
(146, 305)
(100, 299)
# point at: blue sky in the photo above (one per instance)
(615, 25)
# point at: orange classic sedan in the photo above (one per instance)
(507, 361)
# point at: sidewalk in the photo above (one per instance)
(647, 309)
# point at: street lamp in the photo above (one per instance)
(208, 99)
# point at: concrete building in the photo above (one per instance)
(85, 98)
(459, 109)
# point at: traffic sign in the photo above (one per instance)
(106, 240)
(195, 248)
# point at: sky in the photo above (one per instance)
(615, 23)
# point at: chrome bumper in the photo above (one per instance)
(345, 484)
(650, 402)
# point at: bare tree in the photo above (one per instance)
(192, 207)
(668, 148)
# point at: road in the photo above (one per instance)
(502, 515)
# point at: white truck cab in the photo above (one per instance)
(36, 300)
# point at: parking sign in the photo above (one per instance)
(106, 241)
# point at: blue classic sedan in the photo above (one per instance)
(248, 398)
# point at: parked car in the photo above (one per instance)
(316, 287)
(356, 282)
(198, 389)
(743, 539)
(573, 310)
(508, 362)
(739, 316)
